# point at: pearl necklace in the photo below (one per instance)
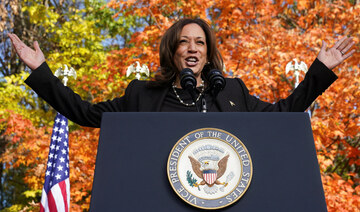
(192, 103)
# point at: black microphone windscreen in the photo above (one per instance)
(187, 79)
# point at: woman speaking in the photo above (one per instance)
(189, 63)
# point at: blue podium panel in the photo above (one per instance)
(131, 164)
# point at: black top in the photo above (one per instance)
(172, 103)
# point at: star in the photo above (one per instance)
(63, 122)
(47, 173)
(57, 120)
(51, 155)
(52, 146)
(58, 176)
(63, 151)
(62, 160)
(61, 131)
(60, 168)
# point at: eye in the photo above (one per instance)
(201, 42)
(183, 41)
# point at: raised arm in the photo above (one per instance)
(32, 58)
(335, 55)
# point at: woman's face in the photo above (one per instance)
(192, 50)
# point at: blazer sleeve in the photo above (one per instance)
(316, 81)
(68, 103)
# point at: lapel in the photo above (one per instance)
(227, 100)
(226, 103)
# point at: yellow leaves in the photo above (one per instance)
(40, 14)
(32, 193)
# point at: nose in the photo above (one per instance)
(192, 46)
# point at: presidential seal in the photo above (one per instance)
(209, 168)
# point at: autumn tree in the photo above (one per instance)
(71, 33)
(256, 38)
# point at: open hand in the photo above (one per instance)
(336, 54)
(32, 58)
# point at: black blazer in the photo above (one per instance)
(139, 97)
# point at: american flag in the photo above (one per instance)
(56, 192)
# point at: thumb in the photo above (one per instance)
(323, 46)
(36, 46)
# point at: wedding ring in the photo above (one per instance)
(342, 52)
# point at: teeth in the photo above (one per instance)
(191, 59)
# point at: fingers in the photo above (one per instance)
(36, 46)
(14, 38)
(339, 42)
(347, 47)
(344, 44)
(348, 54)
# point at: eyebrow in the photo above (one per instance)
(188, 37)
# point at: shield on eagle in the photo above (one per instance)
(209, 176)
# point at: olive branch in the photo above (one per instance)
(189, 177)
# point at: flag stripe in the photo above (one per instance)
(62, 186)
(42, 208)
(44, 202)
(67, 181)
(59, 200)
(51, 203)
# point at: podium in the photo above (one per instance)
(133, 151)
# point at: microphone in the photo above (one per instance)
(216, 80)
(188, 82)
(187, 79)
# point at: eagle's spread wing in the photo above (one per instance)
(222, 166)
(130, 70)
(196, 167)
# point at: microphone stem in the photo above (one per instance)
(203, 105)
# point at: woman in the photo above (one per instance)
(189, 43)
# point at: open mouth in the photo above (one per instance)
(191, 61)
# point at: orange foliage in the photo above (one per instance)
(257, 39)
(29, 145)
